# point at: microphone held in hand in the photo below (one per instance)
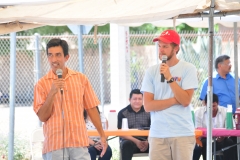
(59, 73)
(164, 60)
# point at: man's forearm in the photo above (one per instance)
(158, 105)
(183, 97)
(95, 118)
(46, 109)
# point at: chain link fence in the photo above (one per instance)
(194, 49)
(144, 53)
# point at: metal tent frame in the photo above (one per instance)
(210, 15)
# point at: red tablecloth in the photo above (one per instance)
(218, 132)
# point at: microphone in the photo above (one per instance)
(59, 73)
(164, 60)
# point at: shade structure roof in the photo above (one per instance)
(16, 16)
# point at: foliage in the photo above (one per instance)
(115, 154)
(147, 27)
(47, 30)
(20, 148)
(102, 29)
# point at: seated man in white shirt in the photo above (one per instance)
(218, 121)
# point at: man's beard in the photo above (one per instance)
(171, 55)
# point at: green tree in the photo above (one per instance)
(46, 30)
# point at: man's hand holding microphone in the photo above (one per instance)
(164, 70)
(59, 83)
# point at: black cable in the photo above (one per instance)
(63, 126)
(228, 147)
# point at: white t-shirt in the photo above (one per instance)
(176, 120)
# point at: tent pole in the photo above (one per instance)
(12, 95)
(209, 90)
(80, 49)
(38, 73)
(201, 15)
(101, 71)
(236, 73)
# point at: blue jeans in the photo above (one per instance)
(94, 152)
(197, 152)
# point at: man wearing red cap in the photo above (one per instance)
(171, 135)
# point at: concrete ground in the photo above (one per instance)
(26, 121)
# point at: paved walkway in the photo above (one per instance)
(26, 121)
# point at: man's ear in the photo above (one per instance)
(177, 48)
(67, 57)
(218, 65)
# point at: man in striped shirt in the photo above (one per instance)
(62, 112)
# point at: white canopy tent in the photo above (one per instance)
(98, 12)
(32, 14)
(16, 17)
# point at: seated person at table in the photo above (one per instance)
(218, 121)
(95, 147)
(137, 117)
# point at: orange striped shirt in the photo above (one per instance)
(77, 95)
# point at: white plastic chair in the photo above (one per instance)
(36, 143)
(140, 155)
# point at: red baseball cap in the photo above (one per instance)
(168, 36)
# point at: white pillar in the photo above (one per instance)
(120, 66)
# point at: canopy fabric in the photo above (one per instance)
(197, 22)
(193, 22)
(92, 12)
(16, 26)
(97, 12)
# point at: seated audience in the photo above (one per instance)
(218, 121)
(95, 147)
(137, 118)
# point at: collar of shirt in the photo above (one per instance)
(227, 76)
(131, 110)
(217, 121)
(51, 75)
